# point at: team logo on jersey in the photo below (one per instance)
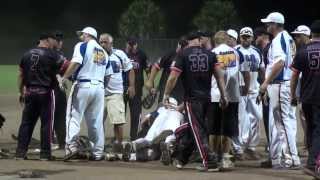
(314, 60)
(99, 56)
(252, 62)
(228, 60)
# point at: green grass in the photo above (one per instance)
(8, 79)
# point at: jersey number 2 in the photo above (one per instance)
(199, 63)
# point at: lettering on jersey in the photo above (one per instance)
(115, 66)
(135, 64)
(252, 62)
(227, 59)
(314, 60)
(99, 56)
(34, 62)
(199, 62)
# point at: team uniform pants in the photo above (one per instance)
(312, 115)
(196, 136)
(86, 100)
(60, 116)
(36, 105)
(282, 126)
(250, 114)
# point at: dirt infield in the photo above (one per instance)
(10, 168)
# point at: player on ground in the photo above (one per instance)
(86, 99)
(282, 120)
(250, 113)
(195, 66)
(38, 69)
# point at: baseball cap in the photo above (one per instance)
(315, 27)
(89, 30)
(233, 33)
(246, 31)
(274, 17)
(302, 29)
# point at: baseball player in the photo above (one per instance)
(307, 62)
(282, 120)
(114, 103)
(195, 66)
(86, 99)
(165, 63)
(165, 122)
(250, 113)
(223, 123)
(233, 37)
(139, 61)
(38, 68)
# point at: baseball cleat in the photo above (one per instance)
(126, 151)
(165, 154)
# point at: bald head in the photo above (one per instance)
(106, 41)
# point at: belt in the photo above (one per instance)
(89, 80)
(278, 81)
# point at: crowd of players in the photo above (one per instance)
(213, 93)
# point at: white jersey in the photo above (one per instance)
(93, 60)
(282, 48)
(229, 59)
(251, 60)
(119, 63)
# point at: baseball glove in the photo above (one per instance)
(149, 100)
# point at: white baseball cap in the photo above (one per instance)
(247, 31)
(89, 30)
(274, 17)
(302, 29)
(233, 33)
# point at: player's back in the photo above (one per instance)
(39, 67)
(197, 69)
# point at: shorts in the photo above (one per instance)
(114, 109)
(223, 122)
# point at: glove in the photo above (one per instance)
(149, 100)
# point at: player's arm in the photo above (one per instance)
(246, 78)
(131, 89)
(154, 71)
(296, 67)
(71, 69)
(219, 76)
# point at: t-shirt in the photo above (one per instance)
(139, 62)
(282, 48)
(251, 60)
(229, 59)
(39, 67)
(93, 60)
(165, 64)
(196, 65)
(307, 61)
(119, 63)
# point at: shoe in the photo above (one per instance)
(266, 164)
(165, 154)
(126, 152)
(226, 164)
(117, 147)
(162, 136)
(18, 158)
(97, 158)
(303, 153)
(239, 157)
(71, 155)
(178, 164)
(252, 155)
(141, 145)
(212, 166)
(295, 167)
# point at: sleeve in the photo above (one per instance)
(298, 63)
(244, 64)
(177, 64)
(279, 47)
(79, 52)
(127, 64)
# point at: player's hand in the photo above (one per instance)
(148, 85)
(131, 91)
(165, 101)
(224, 102)
(263, 88)
(62, 83)
(153, 91)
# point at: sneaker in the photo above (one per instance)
(226, 164)
(252, 155)
(97, 158)
(165, 154)
(266, 164)
(161, 137)
(178, 164)
(126, 151)
(212, 166)
(18, 158)
(71, 155)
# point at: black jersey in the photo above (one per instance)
(165, 63)
(196, 65)
(307, 61)
(39, 67)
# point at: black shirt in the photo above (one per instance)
(165, 64)
(139, 62)
(196, 65)
(39, 67)
(307, 61)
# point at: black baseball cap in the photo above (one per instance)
(315, 27)
(46, 35)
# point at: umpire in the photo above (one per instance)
(307, 61)
(38, 69)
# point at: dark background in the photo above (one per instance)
(22, 21)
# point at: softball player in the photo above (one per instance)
(86, 99)
(250, 113)
(282, 120)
